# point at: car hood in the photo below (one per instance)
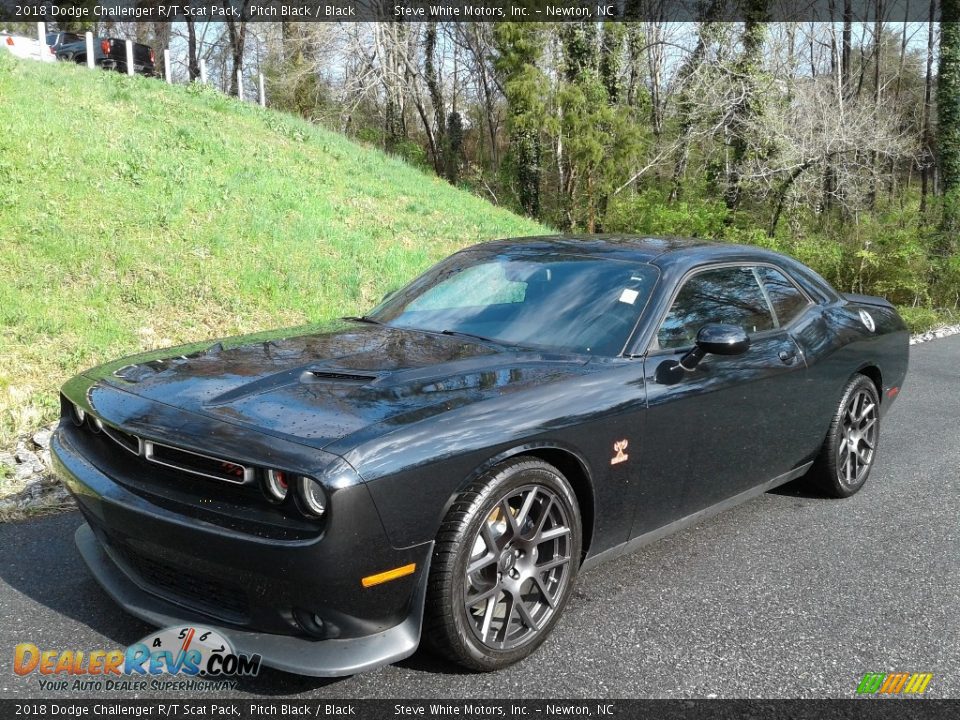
(320, 384)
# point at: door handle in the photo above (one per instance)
(787, 356)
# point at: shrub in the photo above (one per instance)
(649, 214)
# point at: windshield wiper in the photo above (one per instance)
(363, 319)
(473, 336)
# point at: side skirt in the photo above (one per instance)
(692, 519)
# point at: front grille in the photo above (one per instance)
(191, 462)
(184, 587)
(186, 461)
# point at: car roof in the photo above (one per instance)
(662, 251)
(673, 256)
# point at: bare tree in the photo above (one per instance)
(237, 33)
(794, 142)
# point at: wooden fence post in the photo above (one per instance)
(90, 56)
(166, 65)
(263, 93)
(240, 84)
(130, 57)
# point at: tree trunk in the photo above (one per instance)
(846, 43)
(877, 46)
(748, 67)
(782, 197)
(193, 64)
(685, 104)
(237, 33)
(453, 150)
(926, 156)
(611, 43)
(655, 60)
(436, 135)
(948, 123)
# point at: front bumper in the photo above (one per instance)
(320, 658)
(167, 568)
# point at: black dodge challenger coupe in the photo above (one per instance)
(444, 466)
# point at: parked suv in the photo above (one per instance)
(56, 40)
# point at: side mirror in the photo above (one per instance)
(716, 339)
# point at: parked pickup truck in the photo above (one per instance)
(111, 54)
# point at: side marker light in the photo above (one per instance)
(389, 575)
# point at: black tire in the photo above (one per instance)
(542, 504)
(838, 471)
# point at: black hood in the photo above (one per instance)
(322, 383)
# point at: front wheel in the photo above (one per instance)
(848, 451)
(504, 565)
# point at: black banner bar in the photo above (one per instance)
(457, 10)
(259, 709)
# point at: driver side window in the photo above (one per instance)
(728, 295)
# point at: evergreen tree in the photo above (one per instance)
(520, 47)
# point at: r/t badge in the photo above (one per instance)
(619, 452)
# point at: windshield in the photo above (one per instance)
(568, 303)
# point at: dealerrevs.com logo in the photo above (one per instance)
(175, 658)
(895, 683)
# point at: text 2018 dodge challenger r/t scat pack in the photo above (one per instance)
(444, 466)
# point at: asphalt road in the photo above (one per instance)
(786, 596)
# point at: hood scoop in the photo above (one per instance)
(289, 378)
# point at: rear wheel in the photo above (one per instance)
(848, 451)
(504, 565)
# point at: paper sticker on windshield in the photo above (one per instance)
(629, 296)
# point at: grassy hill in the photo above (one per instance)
(135, 215)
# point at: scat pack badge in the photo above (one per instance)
(186, 651)
(620, 452)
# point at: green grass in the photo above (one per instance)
(135, 215)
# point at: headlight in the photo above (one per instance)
(277, 484)
(77, 414)
(313, 496)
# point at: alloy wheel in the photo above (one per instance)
(519, 567)
(858, 439)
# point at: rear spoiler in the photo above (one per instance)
(867, 300)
